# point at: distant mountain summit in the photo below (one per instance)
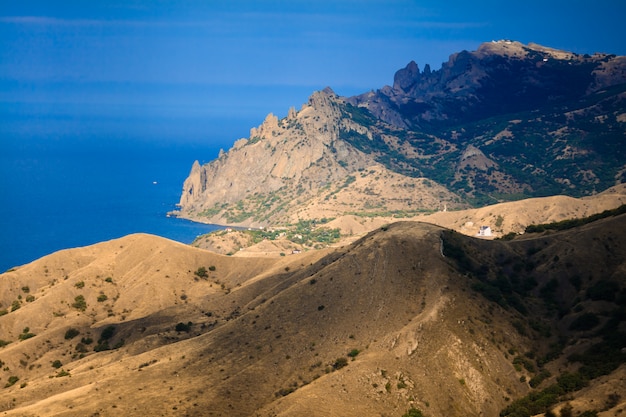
(506, 121)
(500, 77)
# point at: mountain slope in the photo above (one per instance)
(411, 315)
(302, 162)
(507, 121)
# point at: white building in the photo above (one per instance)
(484, 231)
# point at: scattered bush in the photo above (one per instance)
(571, 223)
(103, 342)
(71, 333)
(102, 346)
(26, 334)
(413, 412)
(57, 364)
(182, 327)
(11, 381)
(102, 297)
(340, 363)
(79, 303)
(201, 272)
(539, 378)
(353, 353)
(107, 333)
(80, 284)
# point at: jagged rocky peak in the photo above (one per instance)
(321, 100)
(269, 126)
(406, 77)
(409, 76)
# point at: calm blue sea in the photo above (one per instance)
(70, 181)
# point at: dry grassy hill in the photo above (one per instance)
(503, 218)
(410, 315)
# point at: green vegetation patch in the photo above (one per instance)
(571, 223)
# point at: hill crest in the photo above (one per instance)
(410, 315)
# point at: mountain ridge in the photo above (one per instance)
(523, 121)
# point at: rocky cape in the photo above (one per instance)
(507, 121)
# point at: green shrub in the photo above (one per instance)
(182, 327)
(107, 333)
(101, 298)
(80, 284)
(102, 346)
(340, 363)
(353, 353)
(71, 333)
(57, 364)
(201, 272)
(26, 335)
(11, 381)
(539, 378)
(79, 303)
(413, 412)
(571, 382)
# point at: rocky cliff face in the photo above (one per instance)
(299, 161)
(505, 121)
(277, 153)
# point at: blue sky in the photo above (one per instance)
(239, 60)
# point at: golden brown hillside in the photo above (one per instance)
(410, 315)
(502, 219)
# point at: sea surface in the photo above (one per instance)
(69, 181)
